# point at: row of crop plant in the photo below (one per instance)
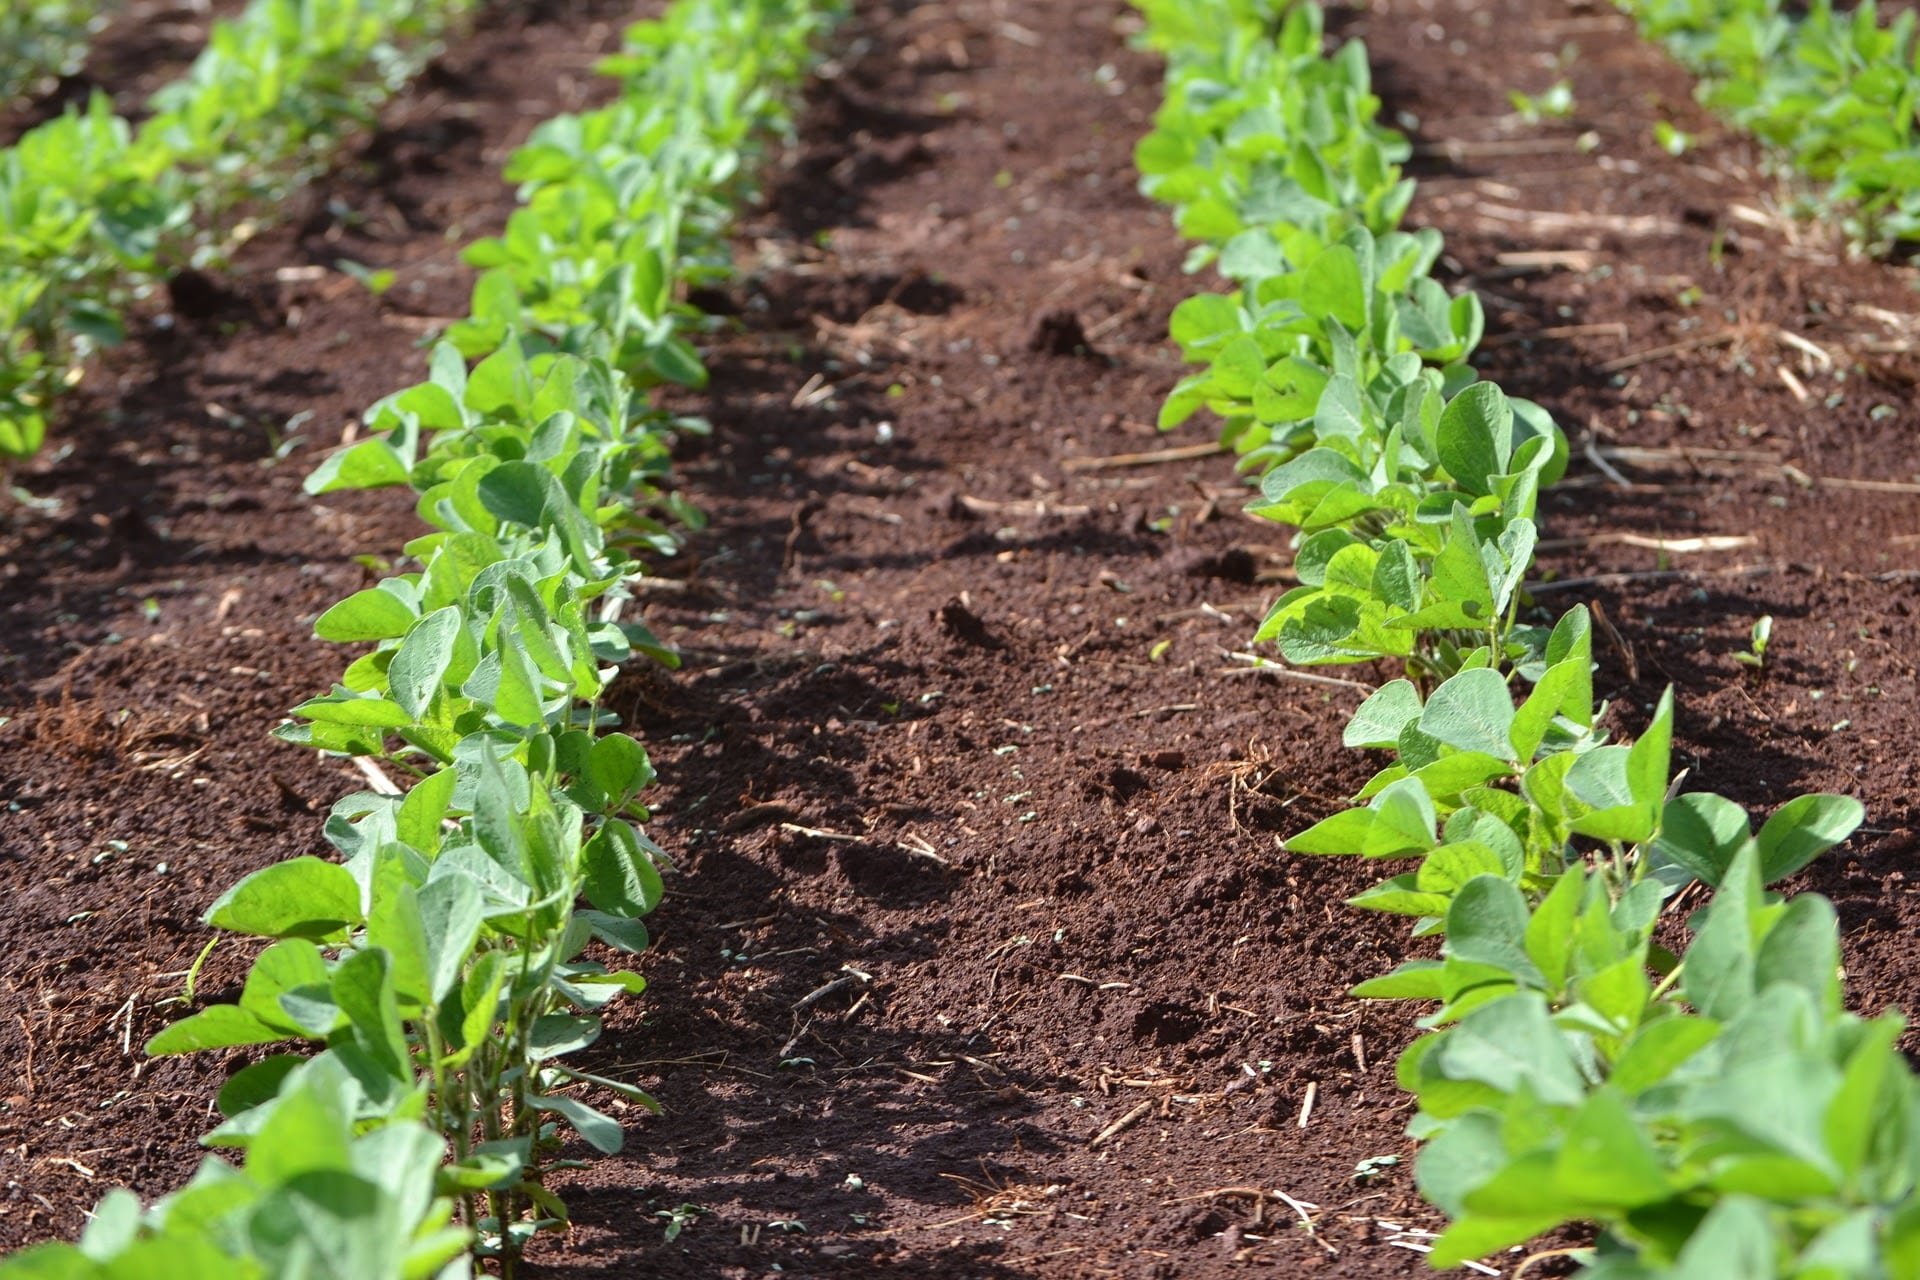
(439, 965)
(94, 212)
(1715, 1110)
(1834, 93)
(43, 40)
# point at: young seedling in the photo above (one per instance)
(1756, 654)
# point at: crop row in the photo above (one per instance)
(1834, 94)
(438, 966)
(41, 40)
(94, 212)
(1715, 1110)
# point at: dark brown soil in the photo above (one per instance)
(977, 839)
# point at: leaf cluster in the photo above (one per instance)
(1271, 153)
(319, 1195)
(43, 40)
(1715, 1111)
(1833, 92)
(94, 212)
(434, 977)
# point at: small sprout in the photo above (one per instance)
(796, 1062)
(680, 1218)
(1670, 139)
(377, 282)
(1555, 104)
(788, 1225)
(1756, 655)
(855, 1182)
(151, 609)
(1373, 1167)
(1159, 652)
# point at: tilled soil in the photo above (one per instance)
(982, 958)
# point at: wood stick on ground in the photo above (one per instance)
(1123, 1124)
(1674, 546)
(1652, 575)
(815, 833)
(1639, 358)
(1185, 453)
(1601, 464)
(1689, 455)
(1257, 664)
(1546, 220)
(376, 777)
(1612, 330)
(1306, 1104)
(1036, 510)
(1570, 259)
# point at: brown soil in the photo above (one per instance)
(977, 844)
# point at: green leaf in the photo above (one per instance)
(418, 821)
(373, 614)
(1605, 1159)
(1472, 711)
(1648, 760)
(1803, 949)
(1461, 1157)
(1448, 868)
(1332, 286)
(417, 668)
(1804, 828)
(219, 1026)
(1512, 1042)
(1549, 933)
(1344, 833)
(256, 1084)
(1400, 896)
(1404, 822)
(1487, 924)
(1718, 978)
(364, 989)
(304, 897)
(555, 1034)
(616, 931)
(1475, 437)
(602, 1132)
(1379, 720)
(1565, 690)
(520, 492)
(1658, 1049)
(282, 967)
(621, 878)
(1700, 833)
(370, 464)
(451, 914)
(1413, 980)
(619, 767)
(1460, 575)
(303, 1132)
(1874, 1097)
